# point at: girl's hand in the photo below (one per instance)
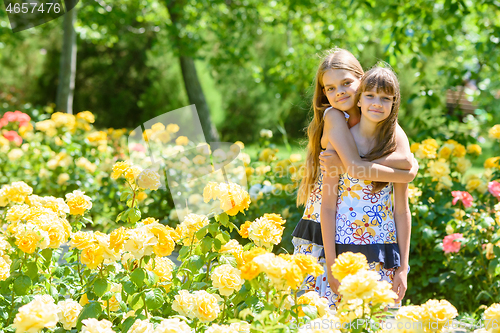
(330, 163)
(414, 166)
(399, 283)
(333, 282)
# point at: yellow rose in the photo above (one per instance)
(182, 141)
(427, 149)
(383, 295)
(265, 232)
(205, 306)
(437, 313)
(69, 311)
(268, 155)
(36, 315)
(132, 173)
(92, 256)
(226, 279)
(348, 263)
(473, 183)
(187, 229)
(445, 151)
(459, 150)
(141, 326)
(494, 132)
(117, 238)
(313, 298)
(17, 213)
(172, 325)
(15, 154)
(140, 242)
(119, 168)
(4, 268)
(414, 147)
(462, 164)
(474, 149)
(250, 270)
(492, 318)
(81, 240)
(183, 303)
(360, 285)
(233, 198)
(274, 267)
(412, 313)
(78, 202)
(308, 264)
(162, 267)
(438, 169)
(93, 325)
(18, 191)
(29, 236)
(491, 162)
(173, 128)
(149, 180)
(86, 115)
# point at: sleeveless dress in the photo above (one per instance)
(365, 224)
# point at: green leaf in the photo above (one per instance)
(310, 311)
(134, 215)
(183, 252)
(496, 251)
(138, 277)
(202, 232)
(21, 285)
(128, 323)
(224, 219)
(32, 270)
(196, 263)
(213, 228)
(137, 302)
(90, 310)
(154, 299)
(124, 196)
(206, 244)
(100, 287)
(47, 255)
(129, 287)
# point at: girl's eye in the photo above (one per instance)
(347, 84)
(369, 95)
(387, 99)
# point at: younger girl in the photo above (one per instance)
(360, 218)
(337, 80)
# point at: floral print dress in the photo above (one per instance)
(365, 224)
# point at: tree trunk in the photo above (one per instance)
(197, 97)
(67, 68)
(189, 74)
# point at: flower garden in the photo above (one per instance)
(91, 244)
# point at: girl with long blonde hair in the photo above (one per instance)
(335, 112)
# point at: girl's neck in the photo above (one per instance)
(367, 128)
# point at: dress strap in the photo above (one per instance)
(346, 115)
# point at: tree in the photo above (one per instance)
(67, 69)
(191, 80)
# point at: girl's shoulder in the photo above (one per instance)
(333, 116)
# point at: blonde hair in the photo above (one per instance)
(335, 58)
(383, 79)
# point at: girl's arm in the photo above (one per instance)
(402, 158)
(328, 224)
(340, 138)
(402, 217)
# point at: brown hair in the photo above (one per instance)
(383, 79)
(335, 58)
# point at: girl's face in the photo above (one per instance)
(339, 87)
(376, 106)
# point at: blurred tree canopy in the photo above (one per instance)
(256, 59)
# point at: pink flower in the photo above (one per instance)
(13, 136)
(464, 196)
(138, 147)
(494, 188)
(19, 116)
(450, 243)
